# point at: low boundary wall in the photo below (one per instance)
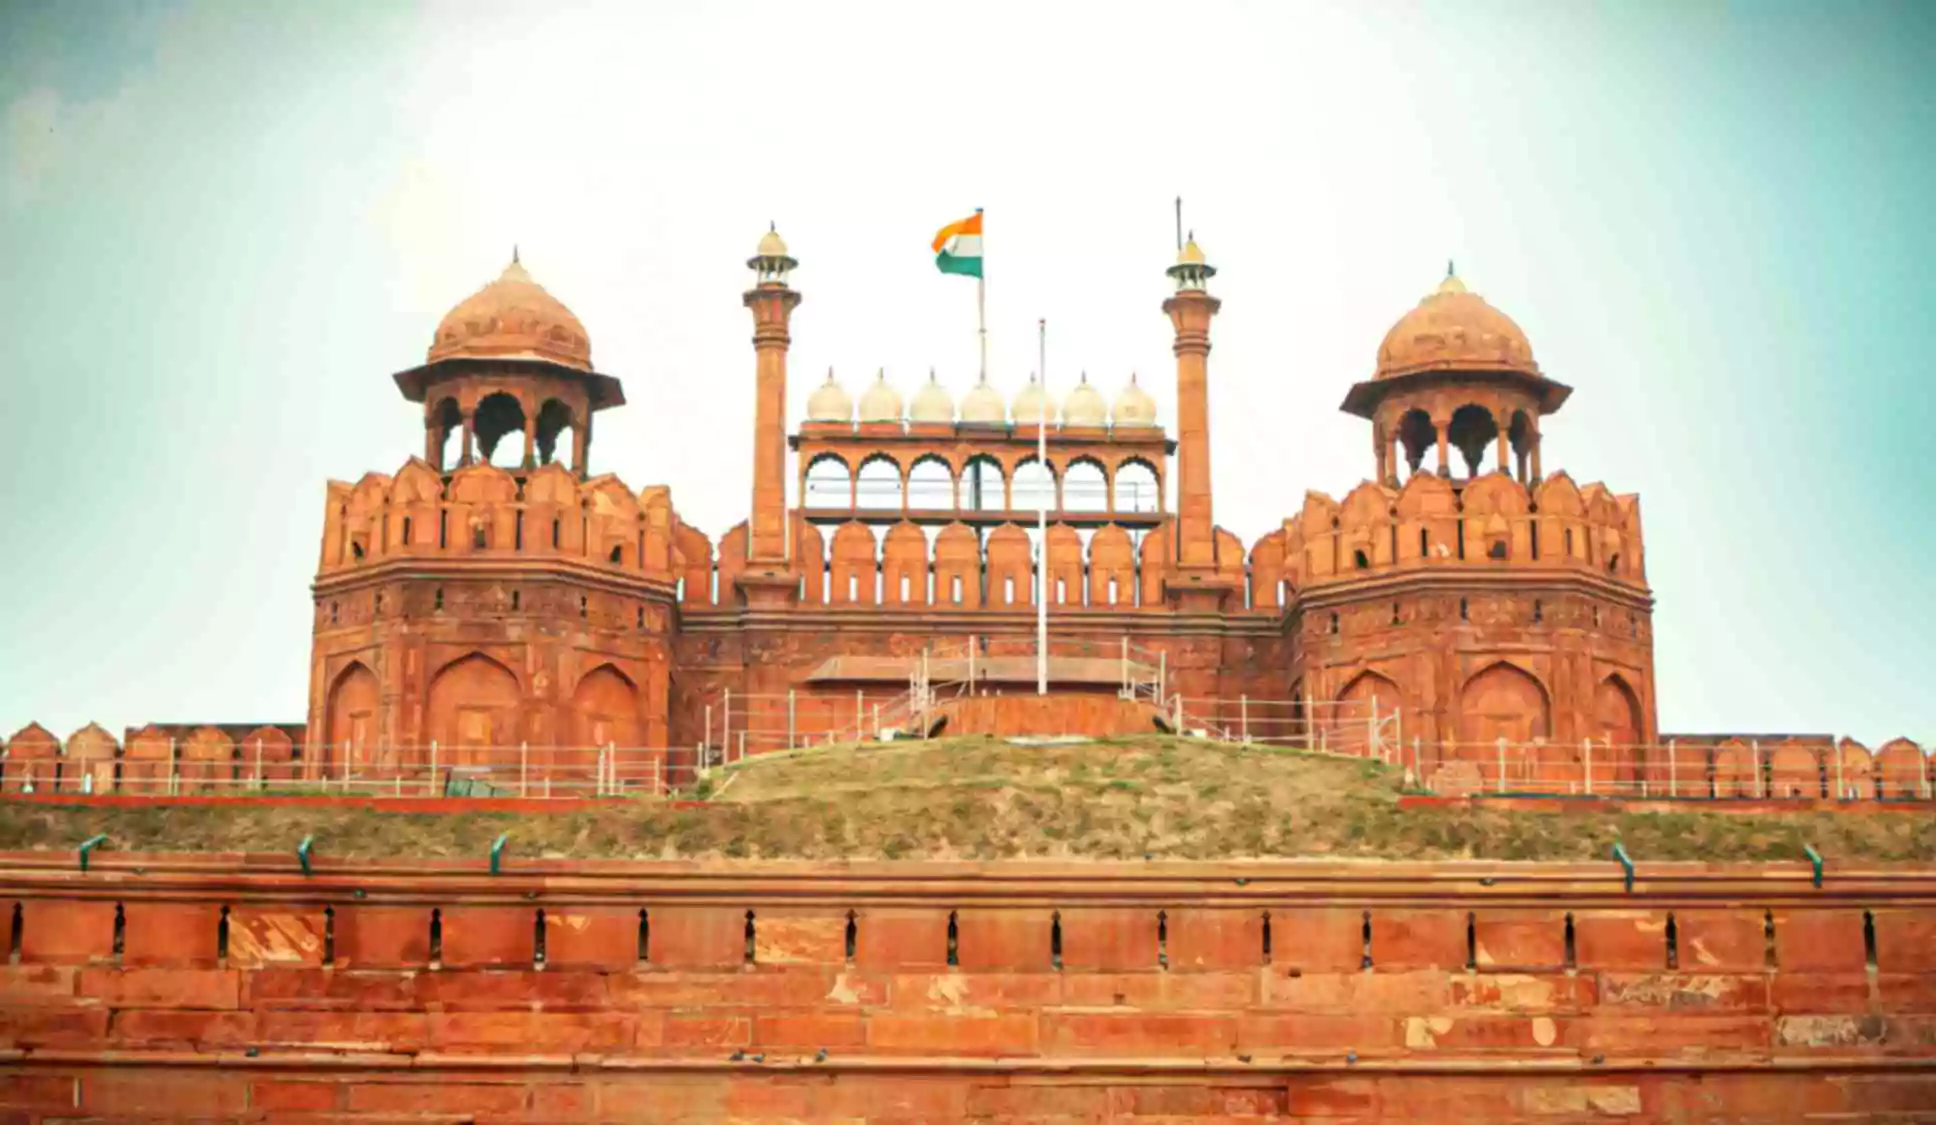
(172, 988)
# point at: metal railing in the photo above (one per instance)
(351, 769)
(1670, 770)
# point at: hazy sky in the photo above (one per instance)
(226, 225)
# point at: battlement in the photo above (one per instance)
(487, 514)
(1431, 522)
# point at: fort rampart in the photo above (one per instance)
(235, 987)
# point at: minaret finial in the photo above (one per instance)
(514, 253)
(1448, 268)
(772, 227)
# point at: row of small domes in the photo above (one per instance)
(982, 405)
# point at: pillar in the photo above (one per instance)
(1380, 454)
(531, 443)
(433, 446)
(1442, 428)
(1190, 311)
(581, 446)
(469, 441)
(772, 302)
(1502, 424)
(1537, 477)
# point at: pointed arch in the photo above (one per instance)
(605, 706)
(931, 484)
(350, 721)
(1138, 487)
(1085, 486)
(827, 483)
(471, 710)
(1506, 701)
(879, 483)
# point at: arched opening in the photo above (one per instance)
(1471, 431)
(606, 705)
(931, 485)
(830, 483)
(1085, 487)
(982, 485)
(1417, 435)
(447, 419)
(1137, 489)
(554, 422)
(1520, 435)
(1034, 486)
(879, 485)
(351, 719)
(472, 712)
(499, 416)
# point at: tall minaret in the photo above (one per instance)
(772, 302)
(1190, 311)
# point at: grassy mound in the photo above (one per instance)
(975, 798)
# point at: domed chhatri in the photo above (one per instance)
(1134, 407)
(513, 318)
(982, 406)
(1085, 406)
(1454, 329)
(932, 404)
(880, 402)
(1033, 404)
(829, 402)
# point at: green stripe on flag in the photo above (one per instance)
(949, 263)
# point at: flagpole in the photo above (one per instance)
(1042, 520)
(981, 303)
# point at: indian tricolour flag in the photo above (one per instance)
(957, 248)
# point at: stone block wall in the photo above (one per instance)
(236, 991)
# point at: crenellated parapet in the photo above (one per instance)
(1491, 523)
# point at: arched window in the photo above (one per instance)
(448, 420)
(1416, 434)
(931, 485)
(829, 483)
(880, 483)
(1471, 431)
(499, 428)
(982, 485)
(1085, 487)
(554, 422)
(1034, 486)
(1137, 489)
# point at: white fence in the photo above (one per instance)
(555, 772)
(1728, 769)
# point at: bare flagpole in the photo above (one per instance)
(1042, 521)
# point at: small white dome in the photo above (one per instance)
(829, 402)
(932, 404)
(1033, 404)
(1085, 406)
(1133, 407)
(881, 403)
(982, 406)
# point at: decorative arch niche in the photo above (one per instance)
(351, 720)
(606, 707)
(472, 711)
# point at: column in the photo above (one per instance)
(1440, 426)
(469, 441)
(1503, 424)
(1537, 477)
(530, 443)
(772, 303)
(581, 445)
(1380, 455)
(1190, 312)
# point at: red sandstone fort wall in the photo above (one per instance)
(229, 988)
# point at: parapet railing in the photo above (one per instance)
(1672, 770)
(357, 770)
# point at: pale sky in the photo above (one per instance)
(227, 224)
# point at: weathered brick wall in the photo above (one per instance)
(235, 990)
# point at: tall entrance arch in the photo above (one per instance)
(350, 722)
(1505, 702)
(606, 709)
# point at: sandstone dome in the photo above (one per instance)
(829, 402)
(1454, 329)
(513, 318)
